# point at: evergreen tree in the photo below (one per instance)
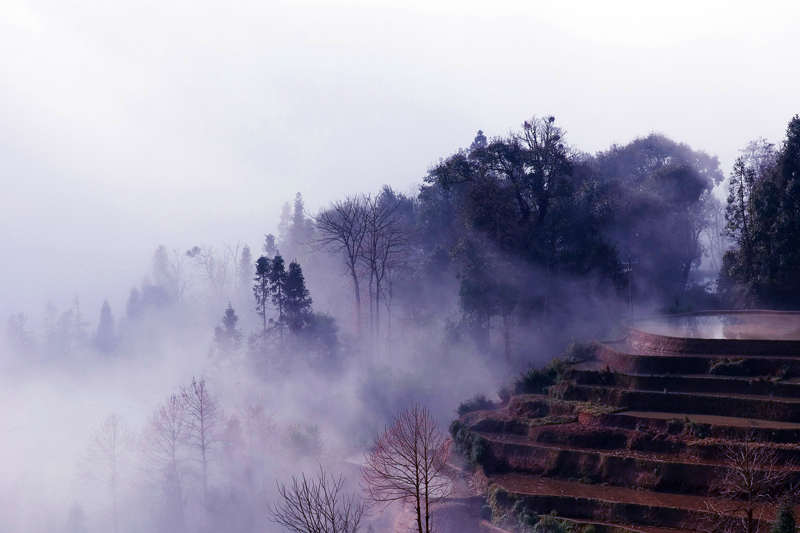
(763, 267)
(105, 338)
(261, 289)
(244, 275)
(19, 338)
(227, 337)
(479, 142)
(301, 226)
(76, 520)
(297, 301)
(784, 521)
(50, 328)
(269, 247)
(133, 307)
(78, 332)
(284, 225)
(277, 285)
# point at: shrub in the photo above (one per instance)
(784, 521)
(467, 443)
(536, 380)
(549, 524)
(728, 367)
(579, 351)
(486, 513)
(478, 403)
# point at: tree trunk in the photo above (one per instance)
(357, 289)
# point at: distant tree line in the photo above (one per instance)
(762, 267)
(503, 241)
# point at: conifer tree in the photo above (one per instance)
(105, 338)
(244, 274)
(227, 337)
(277, 284)
(784, 521)
(261, 289)
(297, 301)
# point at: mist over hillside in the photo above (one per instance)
(309, 342)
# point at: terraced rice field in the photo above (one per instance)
(635, 438)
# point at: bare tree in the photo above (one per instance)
(408, 465)
(342, 229)
(164, 447)
(170, 271)
(204, 421)
(317, 506)
(219, 270)
(388, 241)
(108, 457)
(751, 484)
(259, 427)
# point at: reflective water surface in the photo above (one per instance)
(723, 326)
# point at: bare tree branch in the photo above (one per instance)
(317, 506)
(407, 464)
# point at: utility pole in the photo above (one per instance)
(630, 287)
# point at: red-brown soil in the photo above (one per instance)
(634, 438)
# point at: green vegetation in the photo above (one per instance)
(537, 380)
(478, 403)
(579, 351)
(472, 446)
(784, 521)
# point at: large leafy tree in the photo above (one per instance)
(515, 204)
(654, 189)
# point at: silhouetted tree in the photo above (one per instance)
(785, 521)
(105, 337)
(204, 420)
(753, 479)
(269, 246)
(108, 458)
(244, 276)
(342, 230)
(76, 520)
(479, 142)
(18, 336)
(261, 289)
(317, 506)
(227, 339)
(133, 309)
(165, 450)
(763, 266)
(258, 429)
(277, 289)
(408, 464)
(297, 302)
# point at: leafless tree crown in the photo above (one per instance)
(204, 422)
(108, 457)
(318, 505)
(751, 483)
(408, 464)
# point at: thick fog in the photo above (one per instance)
(143, 146)
(129, 125)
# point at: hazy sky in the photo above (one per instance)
(128, 124)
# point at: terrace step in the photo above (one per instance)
(679, 442)
(629, 359)
(652, 471)
(617, 505)
(760, 386)
(737, 405)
